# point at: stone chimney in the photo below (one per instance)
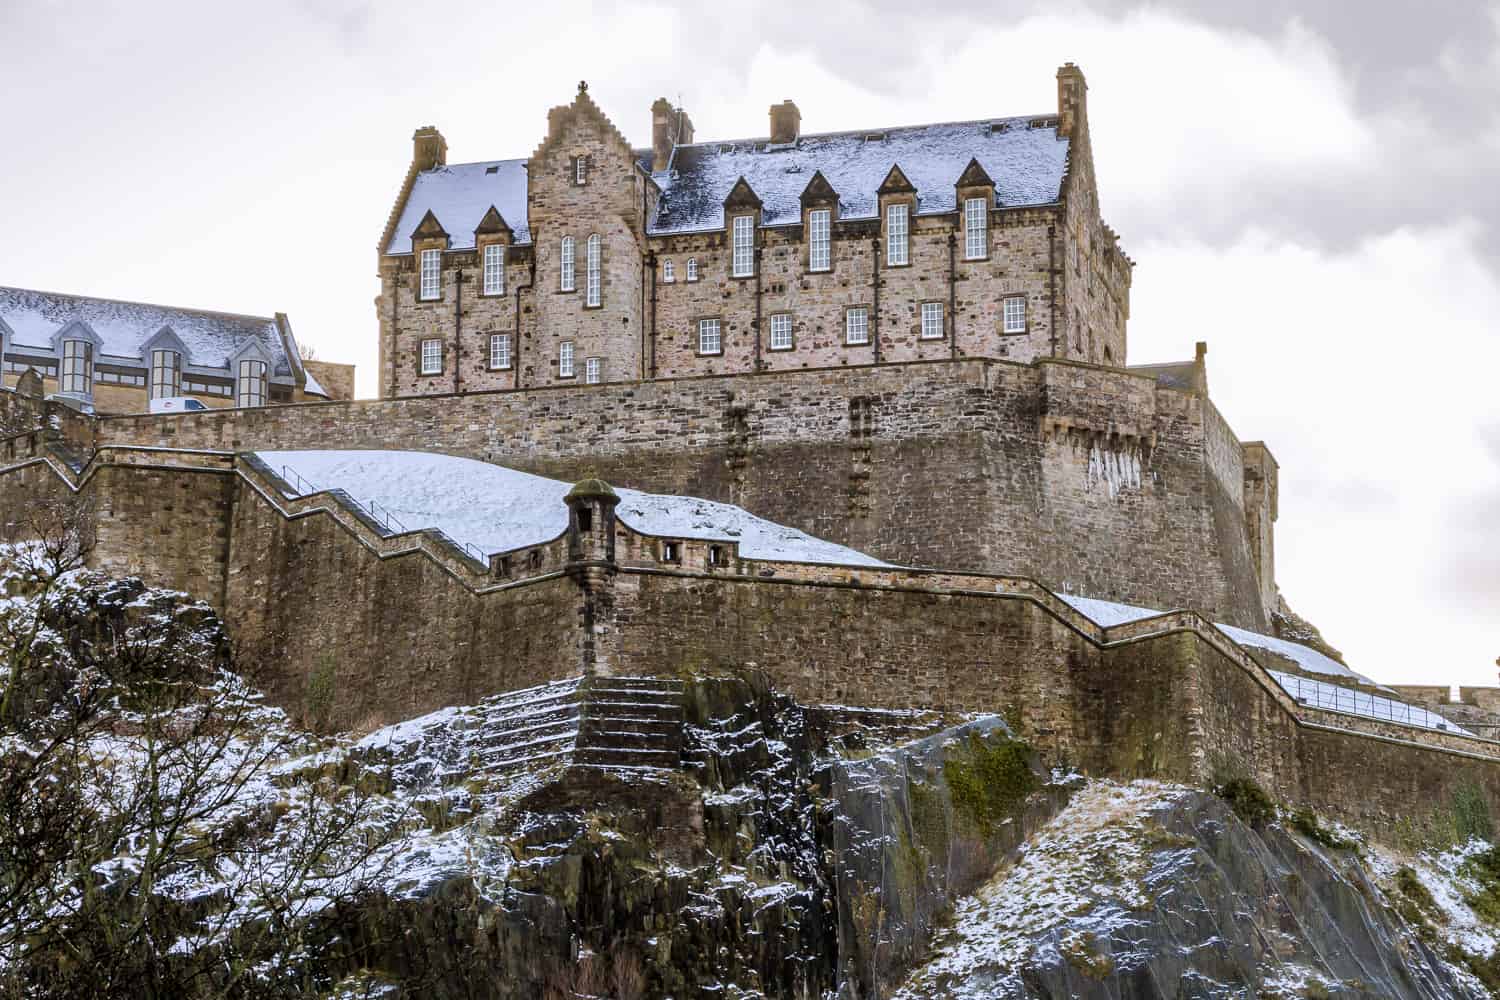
(1072, 101)
(429, 148)
(1200, 368)
(786, 122)
(669, 127)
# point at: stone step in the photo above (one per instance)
(527, 720)
(637, 682)
(554, 729)
(540, 758)
(627, 724)
(651, 741)
(622, 757)
(637, 708)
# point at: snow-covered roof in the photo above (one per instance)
(123, 329)
(459, 195)
(1026, 163)
(497, 509)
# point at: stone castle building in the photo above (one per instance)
(592, 261)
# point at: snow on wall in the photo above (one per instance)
(1114, 469)
(497, 509)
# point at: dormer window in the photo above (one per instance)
(976, 228)
(166, 374)
(77, 367)
(896, 234)
(819, 233)
(494, 269)
(668, 272)
(692, 269)
(743, 265)
(566, 278)
(432, 270)
(250, 383)
(591, 264)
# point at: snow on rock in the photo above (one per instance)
(497, 509)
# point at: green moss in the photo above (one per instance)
(1306, 823)
(1248, 800)
(1414, 902)
(989, 782)
(1484, 868)
(1471, 814)
(317, 696)
(1081, 952)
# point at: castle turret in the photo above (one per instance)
(591, 522)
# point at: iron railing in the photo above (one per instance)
(1334, 698)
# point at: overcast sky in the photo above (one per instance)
(1312, 191)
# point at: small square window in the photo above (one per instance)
(857, 325)
(709, 337)
(670, 552)
(932, 320)
(781, 331)
(1015, 314)
(432, 357)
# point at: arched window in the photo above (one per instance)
(595, 251)
(565, 267)
(166, 374)
(668, 272)
(692, 274)
(77, 367)
(250, 383)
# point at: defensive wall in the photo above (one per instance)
(1099, 481)
(407, 623)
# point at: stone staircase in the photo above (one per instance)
(630, 722)
(535, 727)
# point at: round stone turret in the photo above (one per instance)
(591, 521)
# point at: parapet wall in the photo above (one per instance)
(1092, 479)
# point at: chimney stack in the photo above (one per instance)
(429, 148)
(669, 127)
(786, 122)
(1072, 102)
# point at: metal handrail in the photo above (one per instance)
(1325, 696)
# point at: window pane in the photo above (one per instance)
(499, 350)
(593, 370)
(1015, 314)
(856, 326)
(709, 341)
(432, 357)
(976, 226)
(692, 274)
(781, 332)
(895, 234)
(932, 320)
(744, 245)
(166, 374)
(819, 225)
(432, 266)
(494, 269)
(595, 249)
(565, 265)
(250, 384)
(668, 272)
(565, 359)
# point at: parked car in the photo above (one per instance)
(177, 404)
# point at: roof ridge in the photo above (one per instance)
(877, 128)
(476, 163)
(131, 302)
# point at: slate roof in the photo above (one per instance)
(30, 319)
(1025, 157)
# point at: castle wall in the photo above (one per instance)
(944, 464)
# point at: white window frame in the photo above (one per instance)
(593, 371)
(856, 326)
(932, 321)
(668, 272)
(580, 170)
(250, 383)
(820, 239)
(1013, 313)
(431, 362)
(500, 358)
(593, 254)
(494, 269)
(76, 374)
(692, 269)
(166, 374)
(897, 235)
(567, 279)
(565, 359)
(781, 332)
(432, 276)
(976, 228)
(743, 259)
(710, 336)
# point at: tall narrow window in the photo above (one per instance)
(595, 249)
(432, 270)
(976, 228)
(895, 234)
(77, 367)
(857, 325)
(499, 350)
(565, 359)
(432, 357)
(692, 269)
(709, 341)
(1015, 314)
(166, 374)
(494, 269)
(668, 272)
(593, 370)
(819, 233)
(580, 170)
(744, 246)
(565, 266)
(781, 331)
(932, 320)
(250, 383)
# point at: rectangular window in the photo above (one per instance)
(709, 341)
(565, 359)
(744, 246)
(976, 229)
(432, 269)
(166, 374)
(819, 233)
(593, 251)
(593, 370)
(432, 357)
(932, 320)
(857, 325)
(494, 269)
(580, 170)
(77, 367)
(668, 272)
(670, 552)
(781, 331)
(565, 265)
(895, 234)
(1015, 314)
(499, 350)
(250, 384)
